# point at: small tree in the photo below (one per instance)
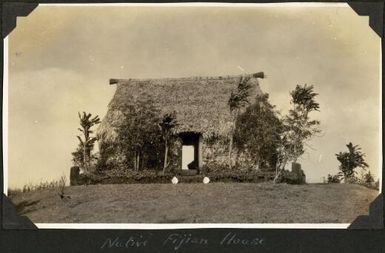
(238, 99)
(78, 156)
(299, 128)
(86, 145)
(368, 178)
(334, 178)
(351, 160)
(167, 125)
(139, 133)
(258, 132)
(107, 149)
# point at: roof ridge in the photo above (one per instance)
(255, 75)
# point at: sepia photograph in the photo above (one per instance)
(192, 115)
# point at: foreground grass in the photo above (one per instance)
(198, 203)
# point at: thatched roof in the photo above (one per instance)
(200, 103)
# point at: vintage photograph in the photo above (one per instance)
(193, 114)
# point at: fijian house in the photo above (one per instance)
(202, 112)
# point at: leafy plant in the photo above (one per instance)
(257, 132)
(106, 151)
(351, 160)
(82, 155)
(140, 136)
(377, 184)
(238, 99)
(334, 178)
(298, 127)
(368, 178)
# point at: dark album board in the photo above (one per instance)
(192, 127)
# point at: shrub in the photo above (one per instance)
(334, 179)
(351, 160)
(353, 180)
(257, 132)
(368, 178)
(377, 184)
(222, 173)
(295, 176)
(291, 177)
(216, 174)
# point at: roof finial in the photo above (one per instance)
(259, 75)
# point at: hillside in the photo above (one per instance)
(198, 203)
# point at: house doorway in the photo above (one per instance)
(191, 150)
(188, 156)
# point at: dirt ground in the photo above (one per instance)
(198, 203)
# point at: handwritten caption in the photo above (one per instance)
(177, 241)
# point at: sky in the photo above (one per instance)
(61, 59)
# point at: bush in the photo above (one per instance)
(216, 174)
(377, 184)
(124, 177)
(353, 180)
(295, 176)
(368, 178)
(222, 173)
(291, 177)
(334, 179)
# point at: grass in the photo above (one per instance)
(198, 203)
(58, 185)
(34, 187)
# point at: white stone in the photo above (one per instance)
(174, 180)
(206, 180)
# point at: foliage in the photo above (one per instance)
(334, 178)
(290, 177)
(298, 127)
(216, 173)
(78, 157)
(257, 132)
(220, 173)
(30, 187)
(238, 99)
(214, 138)
(106, 151)
(377, 184)
(294, 176)
(368, 178)
(140, 136)
(351, 160)
(167, 126)
(126, 176)
(62, 185)
(353, 180)
(82, 156)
